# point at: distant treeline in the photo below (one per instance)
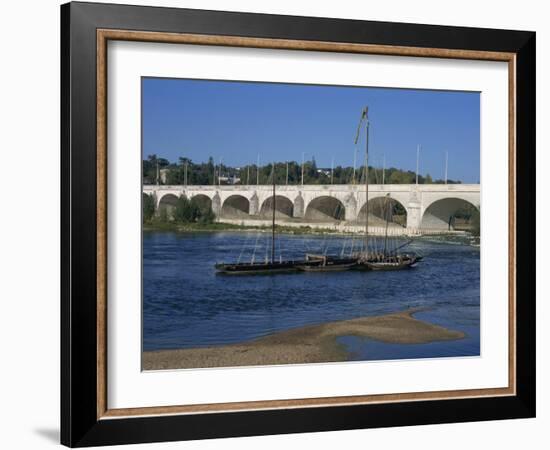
(161, 171)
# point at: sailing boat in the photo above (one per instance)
(388, 260)
(367, 260)
(311, 263)
(266, 266)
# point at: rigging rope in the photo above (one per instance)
(255, 246)
(245, 245)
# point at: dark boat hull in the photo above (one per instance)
(259, 268)
(328, 265)
(389, 263)
(320, 264)
(387, 266)
(393, 263)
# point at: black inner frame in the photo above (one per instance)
(79, 424)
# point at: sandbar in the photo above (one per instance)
(309, 344)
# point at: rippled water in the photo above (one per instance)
(186, 304)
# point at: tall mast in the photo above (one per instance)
(158, 173)
(303, 162)
(273, 223)
(446, 164)
(384, 170)
(417, 159)
(354, 161)
(365, 115)
(387, 220)
(258, 171)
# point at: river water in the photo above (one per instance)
(186, 304)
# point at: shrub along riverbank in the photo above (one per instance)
(184, 211)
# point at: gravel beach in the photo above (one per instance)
(310, 344)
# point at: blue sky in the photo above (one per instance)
(237, 120)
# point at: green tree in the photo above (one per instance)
(183, 211)
(150, 166)
(148, 207)
(163, 214)
(199, 208)
(173, 176)
(475, 225)
(149, 169)
(209, 172)
(204, 173)
(400, 177)
(207, 217)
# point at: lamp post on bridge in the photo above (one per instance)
(417, 159)
(185, 173)
(220, 171)
(446, 164)
(287, 173)
(354, 164)
(303, 162)
(258, 171)
(158, 173)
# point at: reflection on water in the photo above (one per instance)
(186, 304)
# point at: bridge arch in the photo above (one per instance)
(235, 206)
(167, 205)
(384, 208)
(448, 214)
(325, 209)
(203, 202)
(284, 207)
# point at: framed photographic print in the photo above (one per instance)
(276, 224)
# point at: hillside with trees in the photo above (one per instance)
(160, 171)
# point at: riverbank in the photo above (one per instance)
(310, 344)
(298, 229)
(221, 226)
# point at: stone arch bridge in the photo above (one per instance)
(426, 206)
